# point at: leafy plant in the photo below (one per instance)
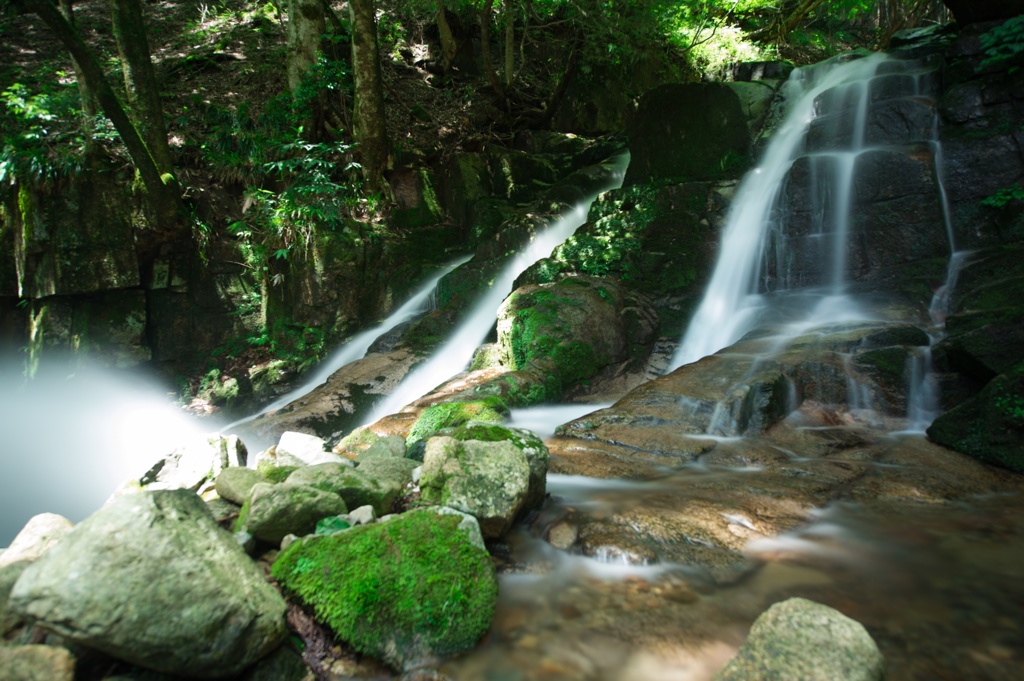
(1004, 43)
(1004, 196)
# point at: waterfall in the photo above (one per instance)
(732, 304)
(356, 347)
(456, 353)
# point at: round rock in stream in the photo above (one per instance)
(801, 639)
(151, 579)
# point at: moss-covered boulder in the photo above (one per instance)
(451, 414)
(990, 425)
(573, 329)
(690, 131)
(488, 480)
(357, 488)
(273, 511)
(406, 591)
(235, 483)
(536, 452)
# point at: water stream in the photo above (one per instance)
(356, 346)
(453, 356)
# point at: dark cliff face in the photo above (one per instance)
(967, 12)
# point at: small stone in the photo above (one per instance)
(563, 536)
(36, 663)
(288, 540)
(364, 515)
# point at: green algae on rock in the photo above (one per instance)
(406, 591)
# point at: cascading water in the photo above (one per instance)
(456, 353)
(733, 303)
(357, 346)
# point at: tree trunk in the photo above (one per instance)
(84, 93)
(449, 45)
(485, 45)
(139, 79)
(306, 24)
(163, 198)
(510, 44)
(370, 122)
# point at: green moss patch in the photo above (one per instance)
(451, 414)
(400, 590)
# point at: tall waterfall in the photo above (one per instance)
(455, 354)
(733, 303)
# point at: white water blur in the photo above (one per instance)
(731, 305)
(456, 353)
(70, 440)
(356, 347)
(543, 420)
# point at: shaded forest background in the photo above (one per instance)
(263, 140)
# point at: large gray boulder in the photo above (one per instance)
(488, 480)
(273, 511)
(801, 639)
(151, 579)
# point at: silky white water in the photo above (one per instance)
(356, 347)
(732, 304)
(456, 353)
(73, 435)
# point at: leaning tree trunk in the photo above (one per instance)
(449, 45)
(370, 122)
(139, 79)
(84, 93)
(163, 197)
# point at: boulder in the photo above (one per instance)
(39, 535)
(572, 330)
(801, 639)
(527, 442)
(151, 579)
(990, 425)
(407, 591)
(689, 131)
(451, 414)
(353, 486)
(390, 471)
(488, 480)
(273, 511)
(37, 663)
(387, 446)
(235, 483)
(302, 449)
(190, 465)
(9, 575)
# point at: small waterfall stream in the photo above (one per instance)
(356, 346)
(453, 356)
